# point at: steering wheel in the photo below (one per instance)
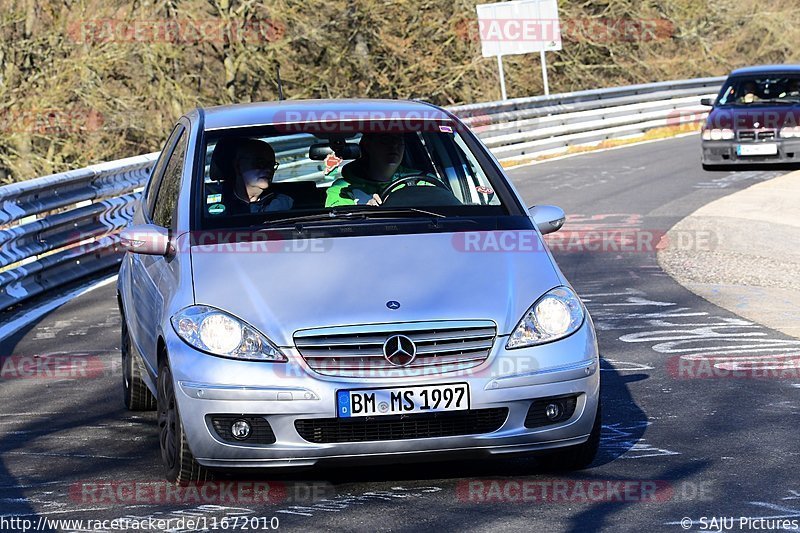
(396, 185)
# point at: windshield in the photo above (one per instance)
(761, 90)
(260, 178)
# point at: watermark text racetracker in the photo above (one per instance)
(721, 366)
(581, 29)
(576, 491)
(612, 240)
(59, 366)
(51, 120)
(182, 523)
(175, 30)
(238, 492)
(233, 241)
(352, 122)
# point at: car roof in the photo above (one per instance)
(293, 111)
(766, 69)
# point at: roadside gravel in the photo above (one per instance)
(745, 253)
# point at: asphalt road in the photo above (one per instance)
(712, 447)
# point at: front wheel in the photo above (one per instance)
(180, 465)
(580, 456)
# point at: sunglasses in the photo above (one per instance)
(262, 164)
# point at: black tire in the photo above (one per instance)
(180, 465)
(135, 392)
(577, 457)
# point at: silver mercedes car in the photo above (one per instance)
(321, 281)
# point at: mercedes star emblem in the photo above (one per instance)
(399, 350)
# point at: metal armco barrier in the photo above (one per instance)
(523, 127)
(58, 229)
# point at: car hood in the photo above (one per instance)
(349, 280)
(746, 117)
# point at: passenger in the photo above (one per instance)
(254, 167)
(363, 179)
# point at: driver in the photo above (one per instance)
(378, 166)
(748, 92)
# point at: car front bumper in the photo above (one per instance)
(725, 152)
(285, 392)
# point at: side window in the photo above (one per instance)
(149, 197)
(167, 196)
(477, 179)
(726, 94)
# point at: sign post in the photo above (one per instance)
(544, 74)
(519, 27)
(502, 77)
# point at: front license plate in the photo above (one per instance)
(757, 149)
(402, 400)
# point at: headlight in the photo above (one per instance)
(792, 131)
(219, 333)
(718, 134)
(555, 315)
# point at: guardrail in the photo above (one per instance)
(520, 128)
(58, 229)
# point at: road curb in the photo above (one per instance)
(744, 253)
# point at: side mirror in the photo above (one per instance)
(548, 218)
(145, 239)
(707, 102)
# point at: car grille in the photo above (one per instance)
(401, 427)
(357, 351)
(760, 135)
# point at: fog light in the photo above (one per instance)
(240, 429)
(552, 411)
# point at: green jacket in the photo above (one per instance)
(351, 189)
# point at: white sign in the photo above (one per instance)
(519, 27)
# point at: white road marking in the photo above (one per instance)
(72, 455)
(625, 366)
(623, 439)
(56, 512)
(667, 331)
(31, 485)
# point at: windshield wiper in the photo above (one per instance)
(405, 211)
(362, 214)
(776, 101)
